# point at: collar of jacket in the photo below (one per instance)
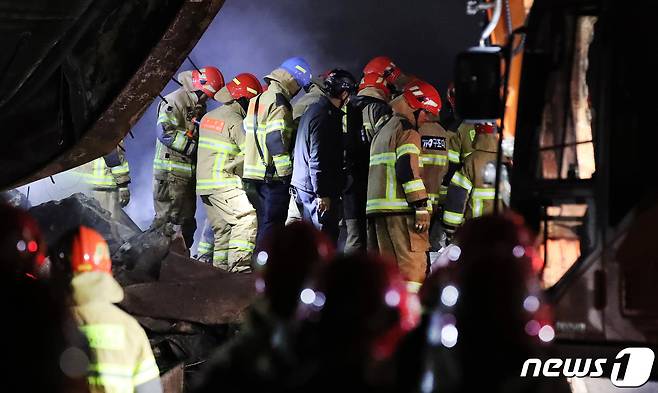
(96, 287)
(486, 142)
(282, 82)
(223, 96)
(316, 89)
(331, 108)
(374, 93)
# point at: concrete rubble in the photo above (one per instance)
(187, 308)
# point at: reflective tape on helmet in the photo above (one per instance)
(462, 181)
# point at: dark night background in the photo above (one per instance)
(254, 36)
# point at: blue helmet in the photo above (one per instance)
(299, 69)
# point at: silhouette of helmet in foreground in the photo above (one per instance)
(487, 315)
(21, 244)
(289, 258)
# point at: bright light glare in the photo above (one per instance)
(449, 296)
(307, 296)
(531, 303)
(392, 298)
(449, 336)
(261, 259)
(546, 333)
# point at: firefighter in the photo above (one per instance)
(179, 114)
(108, 177)
(384, 66)
(434, 158)
(397, 204)
(317, 177)
(460, 144)
(471, 191)
(370, 110)
(268, 144)
(219, 171)
(122, 359)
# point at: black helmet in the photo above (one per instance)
(338, 81)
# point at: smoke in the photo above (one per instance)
(422, 36)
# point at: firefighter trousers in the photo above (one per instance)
(271, 201)
(233, 221)
(174, 200)
(394, 236)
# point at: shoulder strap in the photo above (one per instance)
(260, 149)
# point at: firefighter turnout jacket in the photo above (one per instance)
(460, 144)
(269, 156)
(106, 173)
(394, 181)
(434, 160)
(471, 191)
(220, 151)
(176, 146)
(122, 360)
(311, 97)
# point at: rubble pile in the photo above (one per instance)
(188, 308)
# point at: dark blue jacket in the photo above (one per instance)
(318, 161)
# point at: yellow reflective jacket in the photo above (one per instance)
(221, 142)
(274, 130)
(434, 158)
(175, 149)
(122, 360)
(460, 144)
(108, 172)
(471, 193)
(311, 97)
(394, 182)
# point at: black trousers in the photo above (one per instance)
(271, 203)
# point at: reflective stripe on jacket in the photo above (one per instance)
(468, 194)
(220, 155)
(122, 360)
(274, 129)
(434, 159)
(106, 173)
(394, 182)
(176, 144)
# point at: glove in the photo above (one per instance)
(324, 204)
(124, 196)
(422, 223)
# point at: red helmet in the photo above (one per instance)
(485, 128)
(384, 66)
(244, 85)
(208, 79)
(376, 81)
(89, 252)
(421, 95)
(21, 244)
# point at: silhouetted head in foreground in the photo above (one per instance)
(289, 258)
